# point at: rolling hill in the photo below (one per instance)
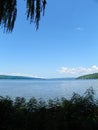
(89, 76)
(18, 77)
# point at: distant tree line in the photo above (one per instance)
(89, 76)
(8, 12)
(79, 113)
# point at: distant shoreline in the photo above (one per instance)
(84, 77)
(8, 77)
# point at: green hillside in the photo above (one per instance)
(89, 76)
(17, 77)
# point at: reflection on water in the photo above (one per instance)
(45, 89)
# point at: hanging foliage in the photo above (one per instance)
(34, 9)
(8, 12)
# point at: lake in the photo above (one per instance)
(46, 89)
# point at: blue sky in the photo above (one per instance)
(66, 44)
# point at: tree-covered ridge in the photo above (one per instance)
(8, 12)
(17, 77)
(89, 76)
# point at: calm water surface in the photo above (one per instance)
(45, 89)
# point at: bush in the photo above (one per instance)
(79, 113)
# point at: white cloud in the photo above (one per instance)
(79, 29)
(18, 74)
(78, 70)
(95, 67)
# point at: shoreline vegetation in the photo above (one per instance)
(79, 113)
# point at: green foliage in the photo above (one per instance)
(79, 113)
(8, 12)
(89, 76)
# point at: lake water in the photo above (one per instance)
(46, 89)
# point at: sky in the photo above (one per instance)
(65, 45)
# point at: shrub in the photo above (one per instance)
(79, 113)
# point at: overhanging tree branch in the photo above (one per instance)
(8, 12)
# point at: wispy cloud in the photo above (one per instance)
(18, 74)
(78, 70)
(79, 29)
